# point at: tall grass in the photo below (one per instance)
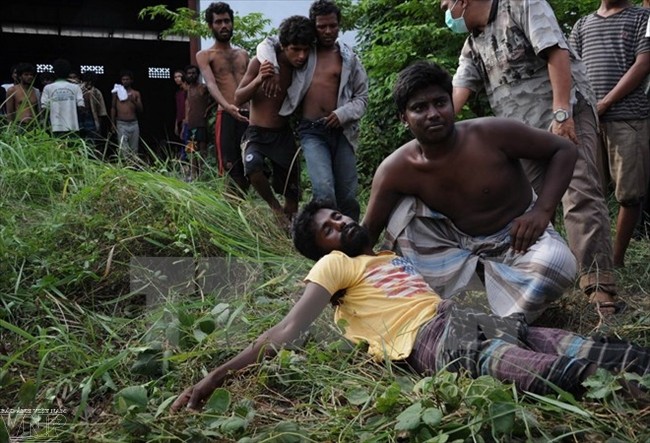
(77, 337)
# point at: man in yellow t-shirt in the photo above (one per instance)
(384, 302)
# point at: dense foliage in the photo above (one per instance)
(82, 335)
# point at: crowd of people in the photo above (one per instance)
(71, 105)
(463, 205)
(470, 202)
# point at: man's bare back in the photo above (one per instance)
(322, 95)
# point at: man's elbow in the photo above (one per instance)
(239, 99)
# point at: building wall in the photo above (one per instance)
(152, 60)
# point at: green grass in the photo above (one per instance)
(75, 337)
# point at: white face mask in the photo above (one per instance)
(457, 25)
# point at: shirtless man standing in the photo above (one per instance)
(124, 114)
(23, 98)
(333, 91)
(470, 204)
(196, 105)
(269, 135)
(222, 67)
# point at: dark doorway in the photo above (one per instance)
(152, 60)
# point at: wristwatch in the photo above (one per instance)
(561, 115)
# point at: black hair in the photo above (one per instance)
(191, 67)
(126, 73)
(89, 76)
(303, 230)
(297, 30)
(416, 77)
(47, 76)
(21, 68)
(324, 7)
(218, 8)
(61, 68)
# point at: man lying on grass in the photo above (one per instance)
(388, 305)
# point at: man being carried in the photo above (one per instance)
(223, 66)
(470, 206)
(23, 99)
(269, 135)
(333, 92)
(387, 304)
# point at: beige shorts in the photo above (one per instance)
(624, 151)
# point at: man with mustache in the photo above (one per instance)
(385, 303)
(223, 66)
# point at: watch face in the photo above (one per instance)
(560, 115)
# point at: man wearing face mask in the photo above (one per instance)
(517, 52)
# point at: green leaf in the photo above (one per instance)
(503, 417)
(233, 424)
(432, 417)
(185, 318)
(357, 396)
(287, 432)
(199, 335)
(219, 401)
(207, 325)
(219, 308)
(245, 408)
(560, 405)
(132, 398)
(409, 419)
(163, 405)
(388, 399)
(148, 363)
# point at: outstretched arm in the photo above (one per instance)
(203, 61)
(302, 315)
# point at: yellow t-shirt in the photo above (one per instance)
(386, 300)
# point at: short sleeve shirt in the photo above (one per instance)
(386, 300)
(609, 47)
(62, 98)
(507, 59)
